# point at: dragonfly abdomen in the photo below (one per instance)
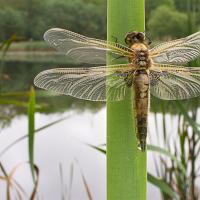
(141, 99)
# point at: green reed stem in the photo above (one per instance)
(126, 165)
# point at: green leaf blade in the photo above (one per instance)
(31, 128)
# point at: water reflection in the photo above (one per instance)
(20, 78)
(63, 143)
(60, 144)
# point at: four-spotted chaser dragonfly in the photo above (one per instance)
(158, 70)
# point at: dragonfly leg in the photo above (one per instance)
(115, 38)
(149, 40)
(129, 79)
(117, 58)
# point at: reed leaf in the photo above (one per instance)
(164, 187)
(126, 165)
(187, 118)
(168, 154)
(31, 128)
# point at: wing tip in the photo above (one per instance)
(36, 79)
(50, 31)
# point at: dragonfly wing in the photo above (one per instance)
(179, 51)
(84, 49)
(171, 82)
(95, 83)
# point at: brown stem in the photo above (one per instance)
(193, 159)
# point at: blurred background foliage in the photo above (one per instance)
(29, 19)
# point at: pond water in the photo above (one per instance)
(62, 144)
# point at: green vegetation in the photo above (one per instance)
(31, 128)
(11, 22)
(175, 22)
(29, 19)
(126, 165)
(29, 46)
(32, 18)
(182, 145)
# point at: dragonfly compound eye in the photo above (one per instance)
(128, 39)
(131, 38)
(141, 36)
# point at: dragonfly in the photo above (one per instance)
(159, 70)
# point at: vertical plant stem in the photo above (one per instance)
(31, 129)
(126, 165)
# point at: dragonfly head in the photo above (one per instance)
(134, 37)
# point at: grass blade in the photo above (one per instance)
(17, 103)
(15, 94)
(6, 44)
(187, 118)
(70, 181)
(31, 128)
(62, 182)
(167, 153)
(164, 187)
(85, 182)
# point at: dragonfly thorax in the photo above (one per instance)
(136, 41)
(142, 59)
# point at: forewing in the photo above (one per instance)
(171, 82)
(179, 51)
(95, 84)
(85, 49)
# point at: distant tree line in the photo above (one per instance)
(172, 18)
(29, 19)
